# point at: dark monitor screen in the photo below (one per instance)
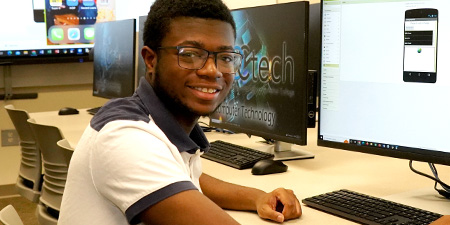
(114, 58)
(268, 96)
(385, 78)
(141, 68)
(314, 33)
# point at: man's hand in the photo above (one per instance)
(279, 205)
(445, 220)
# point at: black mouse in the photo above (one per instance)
(68, 111)
(268, 166)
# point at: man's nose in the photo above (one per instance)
(210, 68)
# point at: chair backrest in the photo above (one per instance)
(55, 163)
(30, 172)
(9, 216)
(19, 118)
(65, 147)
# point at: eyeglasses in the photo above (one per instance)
(194, 58)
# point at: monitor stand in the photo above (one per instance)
(284, 151)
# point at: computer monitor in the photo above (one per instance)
(114, 58)
(385, 78)
(141, 68)
(268, 96)
(314, 34)
(44, 31)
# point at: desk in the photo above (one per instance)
(330, 170)
(72, 126)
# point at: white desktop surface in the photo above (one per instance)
(330, 170)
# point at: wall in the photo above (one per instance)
(310, 2)
(235, 4)
(60, 85)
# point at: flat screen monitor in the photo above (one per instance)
(50, 31)
(141, 68)
(268, 96)
(314, 33)
(114, 58)
(385, 79)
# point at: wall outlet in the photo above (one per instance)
(10, 138)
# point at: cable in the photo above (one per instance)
(428, 176)
(445, 191)
(435, 173)
(206, 128)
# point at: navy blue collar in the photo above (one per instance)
(167, 123)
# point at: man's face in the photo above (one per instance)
(198, 91)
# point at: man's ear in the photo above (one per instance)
(150, 59)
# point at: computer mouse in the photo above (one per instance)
(68, 111)
(268, 166)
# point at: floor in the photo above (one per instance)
(25, 208)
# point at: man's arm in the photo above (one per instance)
(186, 208)
(236, 197)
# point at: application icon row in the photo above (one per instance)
(374, 144)
(69, 51)
(60, 34)
(71, 3)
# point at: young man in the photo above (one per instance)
(139, 160)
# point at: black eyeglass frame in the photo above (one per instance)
(237, 66)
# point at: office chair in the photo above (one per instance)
(29, 181)
(65, 147)
(56, 165)
(9, 216)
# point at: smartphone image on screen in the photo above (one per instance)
(420, 45)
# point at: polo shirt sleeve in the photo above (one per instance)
(134, 166)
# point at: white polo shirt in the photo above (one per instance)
(132, 155)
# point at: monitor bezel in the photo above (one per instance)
(85, 57)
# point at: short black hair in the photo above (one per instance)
(163, 11)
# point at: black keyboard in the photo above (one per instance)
(93, 111)
(366, 209)
(235, 156)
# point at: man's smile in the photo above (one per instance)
(206, 90)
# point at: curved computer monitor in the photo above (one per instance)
(384, 85)
(268, 97)
(114, 59)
